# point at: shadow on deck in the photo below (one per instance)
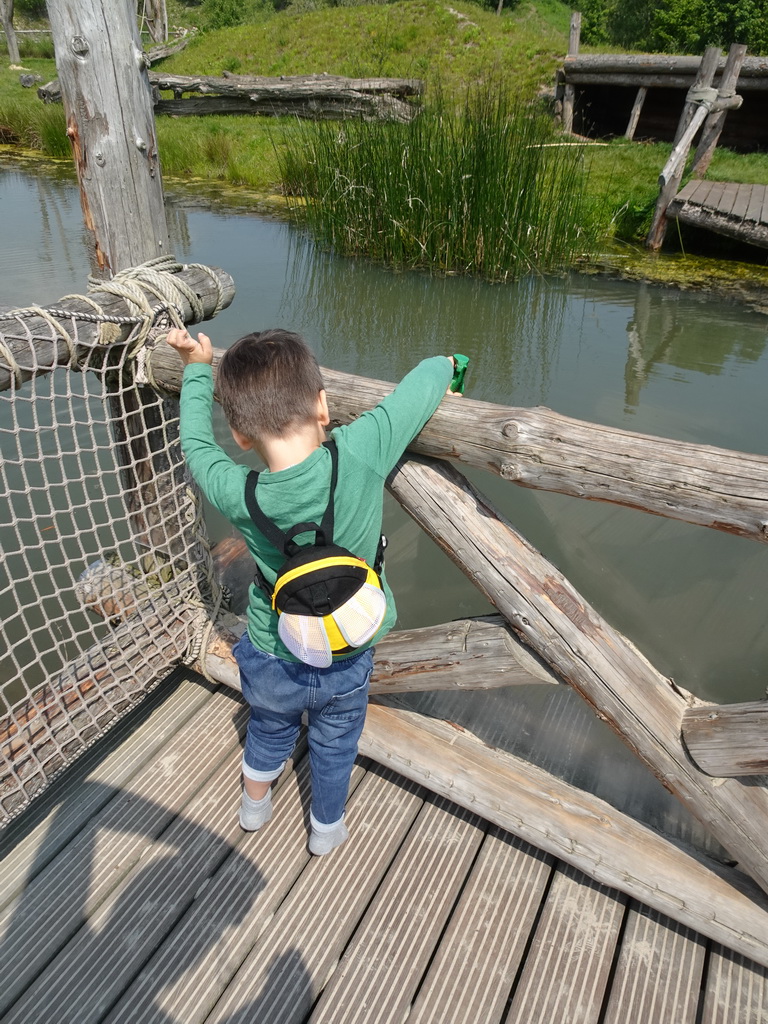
(131, 894)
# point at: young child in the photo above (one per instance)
(272, 394)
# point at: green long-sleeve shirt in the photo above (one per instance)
(368, 448)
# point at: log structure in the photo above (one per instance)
(704, 106)
(607, 88)
(314, 97)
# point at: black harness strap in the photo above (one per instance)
(284, 541)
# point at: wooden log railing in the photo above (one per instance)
(541, 449)
(643, 707)
(211, 286)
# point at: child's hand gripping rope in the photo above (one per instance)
(191, 351)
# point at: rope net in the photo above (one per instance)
(106, 580)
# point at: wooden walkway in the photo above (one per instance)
(738, 211)
(129, 894)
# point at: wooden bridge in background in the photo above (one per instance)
(738, 211)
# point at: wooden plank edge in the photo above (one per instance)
(575, 826)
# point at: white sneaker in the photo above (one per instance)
(255, 813)
(321, 843)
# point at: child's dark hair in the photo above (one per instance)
(268, 384)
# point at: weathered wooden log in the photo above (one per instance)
(658, 63)
(209, 285)
(575, 826)
(634, 116)
(308, 96)
(728, 740)
(691, 119)
(110, 124)
(643, 707)
(468, 654)
(714, 124)
(569, 93)
(315, 108)
(289, 86)
(157, 53)
(541, 449)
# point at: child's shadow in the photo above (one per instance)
(64, 960)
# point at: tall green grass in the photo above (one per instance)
(491, 190)
(42, 127)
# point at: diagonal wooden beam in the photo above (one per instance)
(643, 707)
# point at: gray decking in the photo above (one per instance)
(130, 894)
(738, 211)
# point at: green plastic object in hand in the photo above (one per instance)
(457, 384)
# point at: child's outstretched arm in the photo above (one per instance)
(191, 351)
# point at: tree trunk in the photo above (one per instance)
(6, 20)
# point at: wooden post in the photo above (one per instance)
(634, 117)
(690, 120)
(110, 123)
(570, 90)
(713, 126)
(625, 690)
(730, 739)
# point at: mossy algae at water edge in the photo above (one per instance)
(728, 279)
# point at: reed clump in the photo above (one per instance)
(491, 190)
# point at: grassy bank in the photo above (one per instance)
(612, 187)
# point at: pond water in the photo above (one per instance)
(634, 356)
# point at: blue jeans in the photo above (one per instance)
(335, 699)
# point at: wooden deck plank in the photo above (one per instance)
(693, 191)
(715, 195)
(574, 943)
(190, 971)
(741, 203)
(755, 203)
(29, 842)
(478, 958)
(658, 973)
(133, 920)
(81, 877)
(729, 197)
(287, 968)
(384, 962)
(736, 990)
